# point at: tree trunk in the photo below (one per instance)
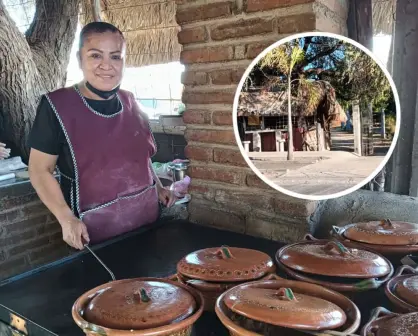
(32, 65)
(289, 120)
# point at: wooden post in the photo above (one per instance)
(383, 124)
(357, 128)
(402, 177)
(95, 5)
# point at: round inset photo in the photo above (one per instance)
(316, 116)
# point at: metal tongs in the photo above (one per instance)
(100, 261)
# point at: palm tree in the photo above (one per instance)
(284, 59)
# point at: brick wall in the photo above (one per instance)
(220, 39)
(29, 234)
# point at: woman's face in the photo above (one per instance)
(102, 60)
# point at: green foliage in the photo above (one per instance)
(390, 124)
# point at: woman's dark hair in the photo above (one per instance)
(97, 28)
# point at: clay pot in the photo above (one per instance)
(386, 237)
(212, 271)
(285, 307)
(386, 323)
(402, 289)
(138, 307)
(333, 265)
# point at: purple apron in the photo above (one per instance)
(114, 189)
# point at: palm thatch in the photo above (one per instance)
(383, 16)
(149, 26)
(264, 103)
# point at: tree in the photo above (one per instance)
(32, 64)
(284, 58)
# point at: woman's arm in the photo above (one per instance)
(154, 175)
(41, 168)
(165, 196)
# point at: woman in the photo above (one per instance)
(102, 145)
(4, 152)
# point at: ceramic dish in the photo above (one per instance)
(214, 270)
(285, 307)
(333, 265)
(402, 289)
(138, 307)
(386, 323)
(390, 238)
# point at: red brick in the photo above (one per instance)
(219, 174)
(226, 137)
(201, 192)
(27, 224)
(49, 253)
(222, 118)
(196, 117)
(297, 23)
(17, 238)
(204, 12)
(12, 202)
(192, 35)
(199, 153)
(12, 266)
(226, 77)
(294, 206)
(208, 97)
(241, 28)
(244, 199)
(263, 5)
(194, 78)
(229, 156)
(207, 55)
(24, 247)
(206, 215)
(255, 49)
(10, 216)
(254, 181)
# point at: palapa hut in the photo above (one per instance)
(263, 118)
(149, 26)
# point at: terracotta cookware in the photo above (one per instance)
(402, 289)
(386, 323)
(333, 265)
(278, 307)
(214, 270)
(138, 307)
(390, 238)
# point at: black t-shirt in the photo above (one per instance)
(48, 137)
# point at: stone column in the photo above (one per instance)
(382, 124)
(256, 142)
(402, 175)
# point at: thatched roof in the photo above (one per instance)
(149, 26)
(383, 16)
(265, 103)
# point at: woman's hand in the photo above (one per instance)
(74, 232)
(4, 152)
(166, 196)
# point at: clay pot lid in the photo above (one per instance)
(332, 258)
(282, 307)
(139, 305)
(223, 264)
(401, 325)
(407, 290)
(384, 232)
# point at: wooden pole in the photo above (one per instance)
(95, 5)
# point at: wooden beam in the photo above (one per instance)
(360, 22)
(95, 5)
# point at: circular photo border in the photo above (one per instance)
(348, 190)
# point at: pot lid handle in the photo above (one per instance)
(286, 294)
(343, 251)
(224, 253)
(141, 296)
(386, 223)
